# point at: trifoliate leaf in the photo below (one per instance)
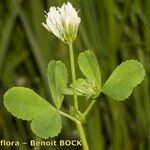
(123, 79)
(89, 66)
(25, 104)
(57, 78)
(48, 125)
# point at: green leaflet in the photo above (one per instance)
(25, 104)
(79, 85)
(47, 125)
(84, 87)
(89, 66)
(69, 91)
(57, 78)
(123, 79)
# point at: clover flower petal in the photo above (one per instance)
(63, 22)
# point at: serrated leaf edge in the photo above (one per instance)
(10, 110)
(82, 53)
(133, 86)
(48, 136)
(57, 61)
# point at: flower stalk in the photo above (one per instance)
(73, 73)
(63, 22)
(78, 124)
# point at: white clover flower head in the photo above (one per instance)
(63, 22)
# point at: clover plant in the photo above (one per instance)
(45, 118)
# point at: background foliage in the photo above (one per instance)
(115, 30)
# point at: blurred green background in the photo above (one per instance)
(116, 30)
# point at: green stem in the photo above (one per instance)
(89, 108)
(73, 74)
(79, 128)
(78, 123)
(82, 136)
(68, 116)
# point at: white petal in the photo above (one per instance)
(63, 21)
(46, 26)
